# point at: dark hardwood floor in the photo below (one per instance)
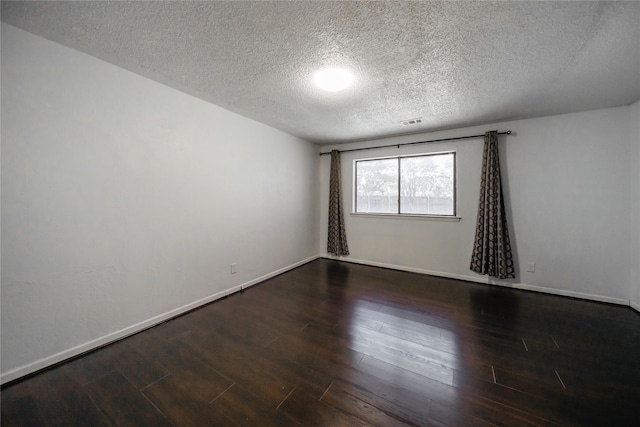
(339, 344)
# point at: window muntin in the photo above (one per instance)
(410, 185)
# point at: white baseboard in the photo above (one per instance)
(277, 272)
(492, 281)
(634, 305)
(130, 330)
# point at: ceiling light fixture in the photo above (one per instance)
(333, 79)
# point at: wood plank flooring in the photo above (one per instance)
(339, 344)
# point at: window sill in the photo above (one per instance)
(408, 216)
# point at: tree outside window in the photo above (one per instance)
(414, 185)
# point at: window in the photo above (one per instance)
(413, 185)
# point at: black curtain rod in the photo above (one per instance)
(418, 142)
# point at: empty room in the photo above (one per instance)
(256, 213)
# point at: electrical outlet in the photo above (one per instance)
(531, 267)
(234, 268)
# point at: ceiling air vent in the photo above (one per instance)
(411, 122)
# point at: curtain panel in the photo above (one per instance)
(492, 250)
(337, 235)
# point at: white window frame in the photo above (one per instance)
(442, 217)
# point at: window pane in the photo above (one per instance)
(427, 185)
(377, 186)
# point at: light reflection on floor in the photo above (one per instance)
(413, 354)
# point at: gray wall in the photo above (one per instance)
(125, 202)
(568, 193)
(634, 159)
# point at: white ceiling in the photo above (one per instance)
(452, 64)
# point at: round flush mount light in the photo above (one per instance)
(333, 79)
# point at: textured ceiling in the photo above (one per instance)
(452, 64)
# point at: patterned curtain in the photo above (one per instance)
(492, 250)
(337, 235)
